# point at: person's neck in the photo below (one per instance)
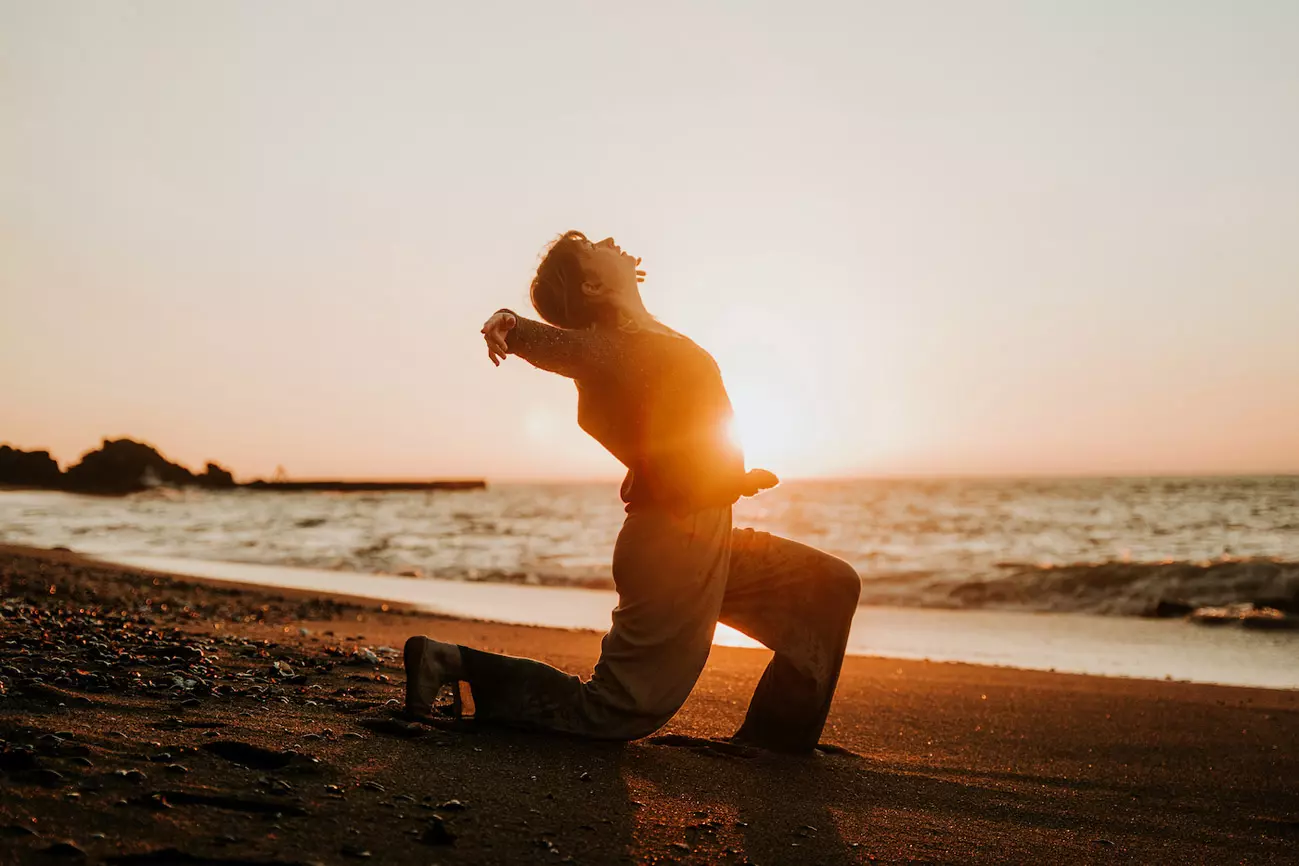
(630, 315)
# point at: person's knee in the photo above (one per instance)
(844, 583)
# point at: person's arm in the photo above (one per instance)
(570, 353)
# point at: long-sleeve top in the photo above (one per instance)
(655, 401)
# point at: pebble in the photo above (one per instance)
(395, 727)
(65, 850)
(437, 833)
(248, 755)
(46, 778)
(17, 760)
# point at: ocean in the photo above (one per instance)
(944, 563)
(1104, 546)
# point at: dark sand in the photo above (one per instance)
(118, 686)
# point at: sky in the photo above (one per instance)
(920, 238)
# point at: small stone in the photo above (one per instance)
(373, 786)
(133, 776)
(394, 727)
(17, 760)
(452, 806)
(16, 830)
(437, 833)
(46, 778)
(156, 801)
(65, 850)
(585, 777)
(178, 769)
(355, 853)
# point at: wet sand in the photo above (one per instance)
(218, 723)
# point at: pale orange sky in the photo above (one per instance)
(954, 237)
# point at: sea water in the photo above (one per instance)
(1109, 546)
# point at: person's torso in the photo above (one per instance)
(662, 410)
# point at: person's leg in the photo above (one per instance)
(670, 573)
(799, 601)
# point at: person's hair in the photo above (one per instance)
(557, 288)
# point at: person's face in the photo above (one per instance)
(609, 271)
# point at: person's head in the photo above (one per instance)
(580, 283)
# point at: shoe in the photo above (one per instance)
(426, 674)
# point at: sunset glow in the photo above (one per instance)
(1020, 243)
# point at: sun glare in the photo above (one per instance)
(764, 426)
(773, 393)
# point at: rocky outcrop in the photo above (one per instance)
(216, 477)
(125, 466)
(122, 466)
(28, 468)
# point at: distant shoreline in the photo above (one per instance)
(363, 486)
(123, 466)
(286, 487)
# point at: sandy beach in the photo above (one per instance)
(156, 719)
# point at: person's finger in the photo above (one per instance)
(501, 347)
(492, 356)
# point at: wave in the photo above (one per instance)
(1152, 589)
(1110, 588)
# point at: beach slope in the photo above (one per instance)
(156, 719)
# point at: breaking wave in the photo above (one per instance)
(1113, 588)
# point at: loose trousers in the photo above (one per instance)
(677, 576)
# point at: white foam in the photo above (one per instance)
(1072, 643)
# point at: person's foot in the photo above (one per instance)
(430, 665)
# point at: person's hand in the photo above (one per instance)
(757, 480)
(640, 275)
(494, 331)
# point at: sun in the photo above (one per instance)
(774, 393)
(765, 425)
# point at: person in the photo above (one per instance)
(656, 401)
